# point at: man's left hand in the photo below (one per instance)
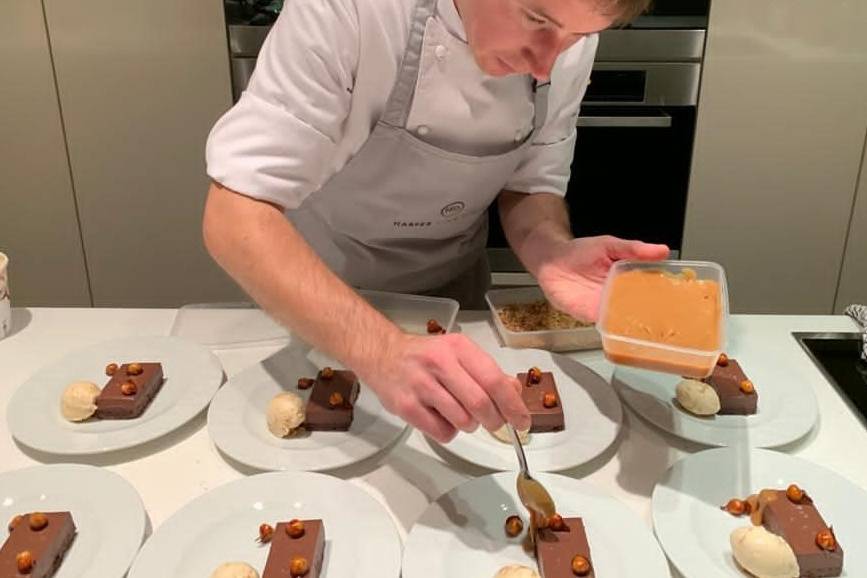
(573, 273)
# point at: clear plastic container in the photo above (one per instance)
(695, 362)
(229, 325)
(551, 340)
(412, 312)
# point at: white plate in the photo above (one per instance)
(695, 533)
(360, 539)
(236, 419)
(192, 375)
(786, 410)
(107, 511)
(461, 534)
(590, 407)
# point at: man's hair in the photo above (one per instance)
(625, 11)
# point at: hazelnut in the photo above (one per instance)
(299, 566)
(134, 369)
(433, 326)
(14, 522)
(305, 382)
(266, 532)
(335, 399)
(736, 507)
(295, 528)
(795, 494)
(549, 400)
(38, 521)
(326, 373)
(514, 526)
(747, 386)
(580, 566)
(111, 369)
(723, 360)
(129, 388)
(556, 523)
(25, 561)
(534, 375)
(826, 541)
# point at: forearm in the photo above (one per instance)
(533, 224)
(265, 254)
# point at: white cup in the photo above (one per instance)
(5, 303)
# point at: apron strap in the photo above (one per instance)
(399, 101)
(540, 101)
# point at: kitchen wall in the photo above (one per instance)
(779, 143)
(138, 86)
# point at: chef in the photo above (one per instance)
(372, 138)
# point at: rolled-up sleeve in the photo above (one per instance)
(546, 166)
(278, 142)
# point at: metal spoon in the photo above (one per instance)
(532, 494)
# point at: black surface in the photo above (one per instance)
(839, 358)
(628, 182)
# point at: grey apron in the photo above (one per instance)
(404, 215)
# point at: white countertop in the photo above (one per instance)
(183, 465)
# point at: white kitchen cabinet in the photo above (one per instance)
(853, 277)
(779, 141)
(38, 224)
(141, 83)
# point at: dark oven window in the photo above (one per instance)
(630, 174)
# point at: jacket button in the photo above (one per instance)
(423, 130)
(441, 51)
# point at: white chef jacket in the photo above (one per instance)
(321, 83)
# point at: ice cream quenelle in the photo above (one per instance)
(285, 414)
(504, 436)
(516, 571)
(79, 400)
(763, 554)
(235, 570)
(697, 397)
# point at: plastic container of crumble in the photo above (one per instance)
(666, 316)
(565, 339)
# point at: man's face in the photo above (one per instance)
(526, 36)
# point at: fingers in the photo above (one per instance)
(429, 421)
(476, 401)
(625, 249)
(444, 403)
(502, 390)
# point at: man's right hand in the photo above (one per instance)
(443, 384)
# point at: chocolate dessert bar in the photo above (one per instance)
(297, 549)
(331, 402)
(799, 523)
(737, 395)
(564, 552)
(542, 400)
(36, 544)
(129, 391)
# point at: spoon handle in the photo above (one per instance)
(519, 450)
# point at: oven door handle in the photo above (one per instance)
(660, 120)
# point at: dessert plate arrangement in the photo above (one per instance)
(192, 375)
(462, 533)
(591, 409)
(237, 419)
(694, 530)
(106, 510)
(222, 526)
(786, 406)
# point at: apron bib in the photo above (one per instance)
(405, 215)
